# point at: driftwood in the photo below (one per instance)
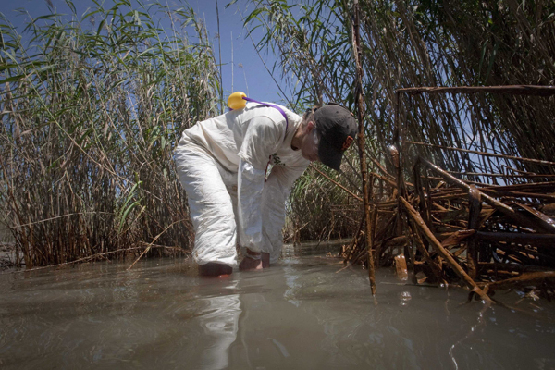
(453, 226)
(533, 278)
(457, 227)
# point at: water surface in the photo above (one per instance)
(304, 313)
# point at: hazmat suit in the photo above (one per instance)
(222, 164)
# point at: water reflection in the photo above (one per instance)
(304, 313)
(275, 332)
(220, 321)
(405, 297)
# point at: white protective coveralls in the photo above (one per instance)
(222, 163)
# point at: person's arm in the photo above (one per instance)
(261, 139)
(276, 191)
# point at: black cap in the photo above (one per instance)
(337, 128)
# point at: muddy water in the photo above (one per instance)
(301, 314)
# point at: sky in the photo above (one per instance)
(249, 72)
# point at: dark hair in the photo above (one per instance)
(309, 114)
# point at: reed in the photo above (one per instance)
(486, 137)
(92, 107)
(416, 43)
(423, 43)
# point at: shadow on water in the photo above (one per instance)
(304, 313)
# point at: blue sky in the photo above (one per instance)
(249, 73)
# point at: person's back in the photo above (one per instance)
(224, 135)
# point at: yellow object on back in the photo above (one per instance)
(236, 101)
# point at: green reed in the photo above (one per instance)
(92, 108)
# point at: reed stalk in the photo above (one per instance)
(92, 107)
(482, 56)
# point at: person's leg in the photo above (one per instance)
(252, 261)
(255, 260)
(214, 269)
(266, 260)
(211, 210)
(248, 263)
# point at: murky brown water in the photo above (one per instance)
(300, 314)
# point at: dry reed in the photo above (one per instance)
(91, 109)
(410, 45)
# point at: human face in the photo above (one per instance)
(309, 147)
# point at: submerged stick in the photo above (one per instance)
(420, 224)
(357, 52)
(436, 268)
(531, 278)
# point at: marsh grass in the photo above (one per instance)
(91, 109)
(412, 44)
(92, 106)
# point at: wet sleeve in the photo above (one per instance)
(261, 140)
(276, 192)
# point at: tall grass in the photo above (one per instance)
(91, 109)
(319, 210)
(422, 43)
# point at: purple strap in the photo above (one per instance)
(274, 106)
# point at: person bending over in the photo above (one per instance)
(223, 162)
